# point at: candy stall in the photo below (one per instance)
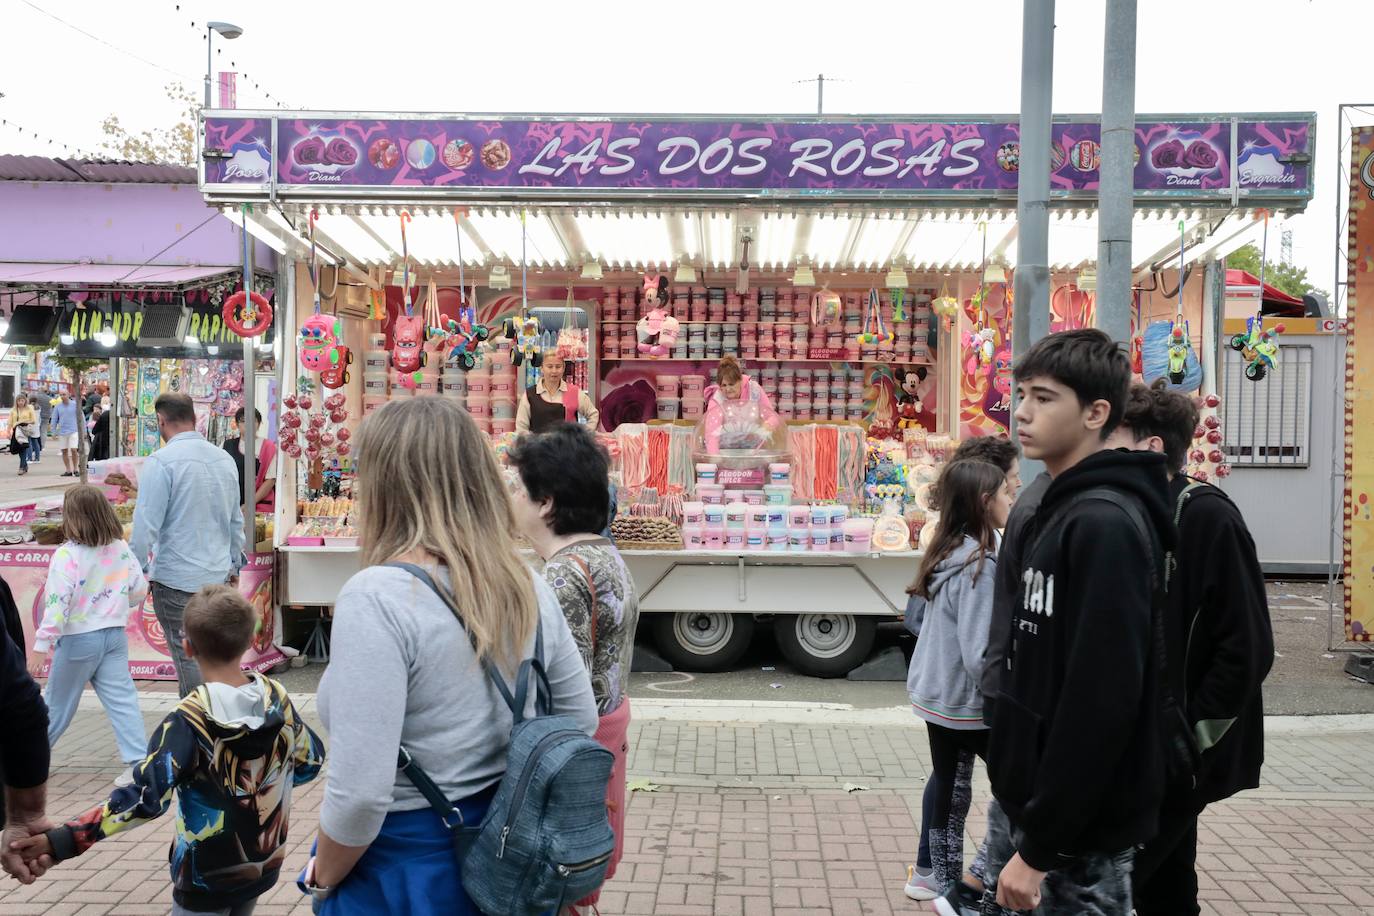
(857, 271)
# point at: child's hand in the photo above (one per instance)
(33, 848)
(36, 662)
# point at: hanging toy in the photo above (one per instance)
(1137, 337)
(1259, 347)
(462, 336)
(898, 304)
(408, 330)
(524, 331)
(247, 313)
(657, 331)
(874, 331)
(320, 342)
(826, 307)
(982, 340)
(946, 306)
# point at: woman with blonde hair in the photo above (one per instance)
(406, 670)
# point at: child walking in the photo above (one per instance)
(232, 750)
(955, 583)
(93, 582)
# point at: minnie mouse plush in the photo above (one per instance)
(657, 330)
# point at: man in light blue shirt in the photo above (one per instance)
(188, 517)
(66, 418)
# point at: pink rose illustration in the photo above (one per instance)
(1200, 155)
(340, 152)
(309, 151)
(1168, 155)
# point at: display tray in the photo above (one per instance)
(651, 546)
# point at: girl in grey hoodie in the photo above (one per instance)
(955, 582)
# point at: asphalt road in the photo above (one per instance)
(1306, 679)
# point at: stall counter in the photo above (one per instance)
(669, 581)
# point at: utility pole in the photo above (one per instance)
(1031, 314)
(1116, 191)
(820, 91)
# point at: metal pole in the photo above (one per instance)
(1116, 193)
(248, 444)
(820, 93)
(1031, 314)
(209, 62)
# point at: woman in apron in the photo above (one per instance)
(554, 401)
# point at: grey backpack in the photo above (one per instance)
(546, 840)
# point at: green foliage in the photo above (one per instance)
(1284, 277)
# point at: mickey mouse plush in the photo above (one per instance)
(909, 404)
(657, 330)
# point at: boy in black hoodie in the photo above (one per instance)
(1220, 646)
(1075, 756)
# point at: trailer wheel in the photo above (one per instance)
(702, 640)
(825, 645)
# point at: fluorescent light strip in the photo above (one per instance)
(777, 239)
(877, 238)
(828, 235)
(720, 239)
(360, 247)
(691, 233)
(627, 239)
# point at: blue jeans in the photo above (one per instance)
(100, 657)
(1098, 884)
(36, 447)
(24, 457)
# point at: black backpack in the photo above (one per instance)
(1182, 757)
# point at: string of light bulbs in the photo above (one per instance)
(23, 131)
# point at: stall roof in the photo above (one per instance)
(711, 239)
(42, 274)
(1238, 277)
(97, 171)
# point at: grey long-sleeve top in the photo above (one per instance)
(401, 670)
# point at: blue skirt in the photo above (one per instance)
(410, 868)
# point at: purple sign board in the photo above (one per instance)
(1268, 157)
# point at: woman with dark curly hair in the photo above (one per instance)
(561, 497)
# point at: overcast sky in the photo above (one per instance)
(919, 56)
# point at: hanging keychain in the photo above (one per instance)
(982, 339)
(408, 331)
(898, 305)
(873, 318)
(1260, 348)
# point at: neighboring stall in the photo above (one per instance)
(858, 267)
(124, 263)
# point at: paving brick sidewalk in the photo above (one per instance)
(785, 819)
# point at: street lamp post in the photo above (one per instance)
(229, 31)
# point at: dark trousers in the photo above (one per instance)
(1165, 879)
(948, 796)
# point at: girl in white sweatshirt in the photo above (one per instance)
(93, 582)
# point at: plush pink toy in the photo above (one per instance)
(658, 329)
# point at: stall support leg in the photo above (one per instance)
(743, 593)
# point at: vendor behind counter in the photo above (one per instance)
(739, 414)
(554, 401)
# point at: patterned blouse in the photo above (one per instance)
(592, 584)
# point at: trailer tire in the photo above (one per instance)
(825, 645)
(702, 640)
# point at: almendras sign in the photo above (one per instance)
(584, 156)
(206, 325)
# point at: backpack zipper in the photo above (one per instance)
(565, 871)
(531, 763)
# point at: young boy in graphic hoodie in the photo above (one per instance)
(1075, 756)
(232, 750)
